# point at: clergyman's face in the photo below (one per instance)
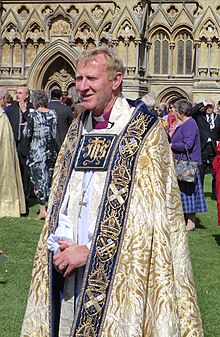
(94, 88)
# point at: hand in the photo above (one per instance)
(69, 257)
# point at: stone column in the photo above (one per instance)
(209, 44)
(218, 57)
(48, 28)
(197, 45)
(36, 44)
(1, 47)
(147, 59)
(98, 43)
(115, 43)
(11, 56)
(23, 45)
(111, 44)
(137, 43)
(172, 46)
(85, 44)
(126, 57)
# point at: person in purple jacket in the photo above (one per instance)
(187, 135)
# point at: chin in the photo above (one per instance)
(88, 105)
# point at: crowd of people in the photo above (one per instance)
(34, 126)
(112, 258)
(28, 129)
(201, 138)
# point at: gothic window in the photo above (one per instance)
(180, 57)
(184, 54)
(156, 59)
(165, 57)
(161, 50)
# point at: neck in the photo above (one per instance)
(23, 106)
(108, 107)
(41, 108)
(185, 118)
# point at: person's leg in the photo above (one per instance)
(42, 214)
(38, 177)
(203, 167)
(25, 176)
(214, 197)
(190, 221)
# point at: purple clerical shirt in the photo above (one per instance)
(102, 121)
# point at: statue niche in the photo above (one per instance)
(60, 27)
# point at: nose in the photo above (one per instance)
(82, 85)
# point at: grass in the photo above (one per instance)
(18, 240)
(205, 254)
(19, 237)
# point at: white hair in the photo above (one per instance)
(149, 100)
(3, 92)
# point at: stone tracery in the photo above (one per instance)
(26, 31)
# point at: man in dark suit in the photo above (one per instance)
(64, 114)
(17, 113)
(209, 127)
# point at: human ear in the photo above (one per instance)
(117, 80)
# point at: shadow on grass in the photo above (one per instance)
(208, 194)
(32, 201)
(199, 225)
(217, 238)
(3, 282)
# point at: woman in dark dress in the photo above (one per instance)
(41, 133)
(187, 135)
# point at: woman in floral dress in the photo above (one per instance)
(41, 133)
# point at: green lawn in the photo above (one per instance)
(18, 240)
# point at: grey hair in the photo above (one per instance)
(39, 98)
(149, 100)
(114, 63)
(183, 107)
(3, 92)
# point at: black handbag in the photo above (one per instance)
(186, 170)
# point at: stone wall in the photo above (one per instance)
(170, 48)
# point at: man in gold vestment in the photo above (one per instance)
(12, 202)
(113, 257)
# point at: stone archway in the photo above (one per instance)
(172, 94)
(54, 67)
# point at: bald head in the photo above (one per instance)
(22, 94)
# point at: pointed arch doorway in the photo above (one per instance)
(54, 67)
(172, 94)
(60, 75)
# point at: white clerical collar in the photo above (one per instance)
(99, 118)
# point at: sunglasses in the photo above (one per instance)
(209, 106)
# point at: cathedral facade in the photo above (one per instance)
(169, 48)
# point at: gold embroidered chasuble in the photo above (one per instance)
(12, 201)
(151, 292)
